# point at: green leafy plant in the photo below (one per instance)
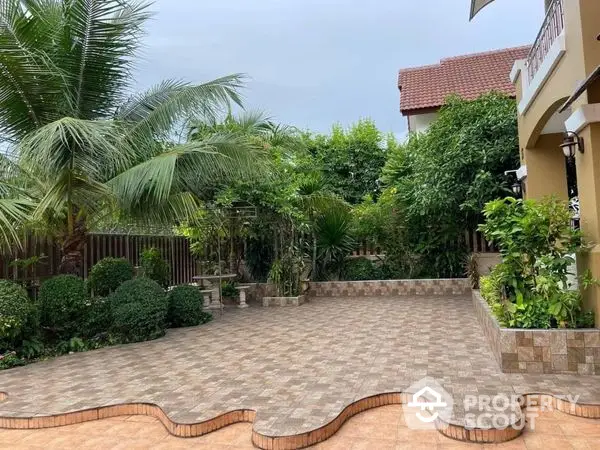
(155, 267)
(63, 301)
(10, 359)
(15, 309)
(472, 270)
(286, 273)
(97, 319)
(228, 289)
(537, 245)
(73, 345)
(359, 269)
(108, 274)
(351, 159)
(437, 183)
(334, 242)
(31, 348)
(185, 307)
(139, 309)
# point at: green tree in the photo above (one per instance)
(82, 146)
(442, 179)
(351, 160)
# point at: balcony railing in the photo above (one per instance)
(554, 23)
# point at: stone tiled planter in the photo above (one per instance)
(390, 288)
(539, 351)
(283, 301)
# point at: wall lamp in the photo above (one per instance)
(572, 142)
(517, 187)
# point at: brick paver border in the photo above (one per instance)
(313, 437)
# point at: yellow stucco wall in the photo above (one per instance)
(546, 168)
(546, 172)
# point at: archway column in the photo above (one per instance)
(588, 183)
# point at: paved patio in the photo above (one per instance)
(296, 367)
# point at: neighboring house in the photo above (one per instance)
(558, 91)
(423, 90)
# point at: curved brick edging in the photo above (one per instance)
(453, 431)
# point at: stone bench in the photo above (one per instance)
(242, 289)
(206, 297)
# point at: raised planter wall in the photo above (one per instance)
(539, 351)
(389, 288)
(283, 301)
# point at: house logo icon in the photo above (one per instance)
(418, 402)
(428, 402)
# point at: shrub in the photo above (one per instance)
(154, 267)
(139, 309)
(63, 301)
(228, 289)
(15, 309)
(185, 307)
(108, 274)
(359, 269)
(98, 318)
(537, 245)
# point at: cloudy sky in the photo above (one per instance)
(316, 62)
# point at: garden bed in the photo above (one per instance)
(539, 351)
(390, 288)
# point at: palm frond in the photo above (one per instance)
(178, 208)
(219, 157)
(29, 81)
(81, 146)
(14, 214)
(153, 114)
(84, 192)
(98, 44)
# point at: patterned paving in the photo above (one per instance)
(297, 367)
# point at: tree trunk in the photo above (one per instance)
(72, 248)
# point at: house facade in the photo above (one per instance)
(558, 92)
(423, 90)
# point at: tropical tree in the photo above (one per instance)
(351, 159)
(440, 181)
(81, 147)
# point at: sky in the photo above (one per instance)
(312, 63)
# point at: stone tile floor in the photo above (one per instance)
(297, 367)
(376, 429)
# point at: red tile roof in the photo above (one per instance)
(469, 76)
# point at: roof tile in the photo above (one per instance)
(468, 76)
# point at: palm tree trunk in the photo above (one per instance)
(72, 246)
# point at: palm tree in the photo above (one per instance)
(82, 146)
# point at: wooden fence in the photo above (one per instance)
(174, 249)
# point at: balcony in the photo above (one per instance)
(545, 54)
(553, 26)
